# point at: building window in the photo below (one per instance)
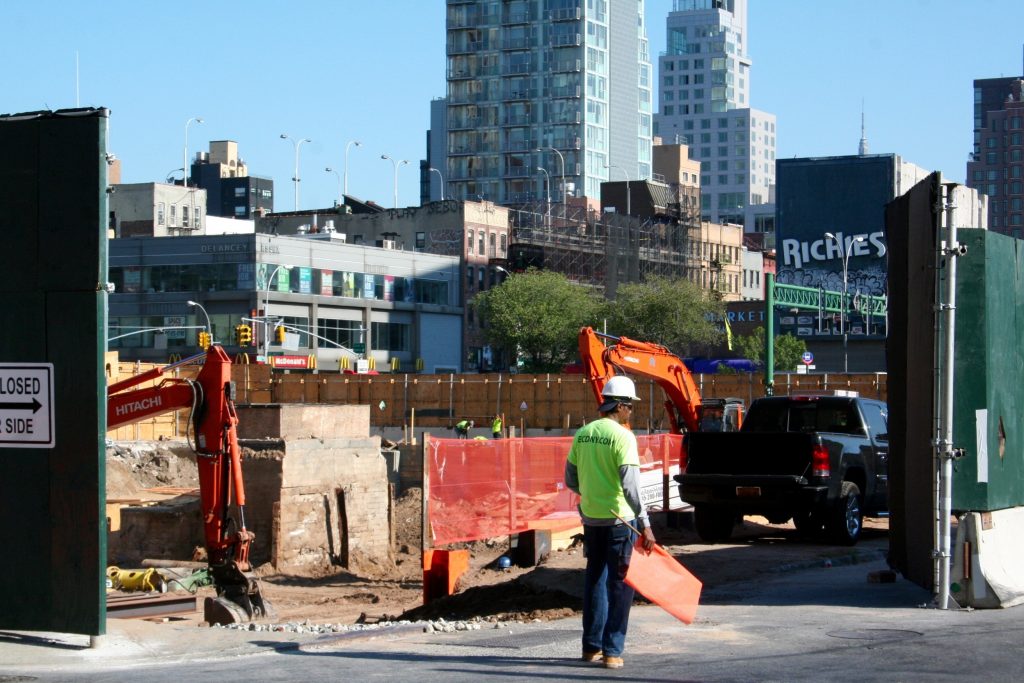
(174, 215)
(392, 336)
(240, 191)
(480, 243)
(160, 213)
(504, 245)
(469, 277)
(421, 240)
(469, 241)
(239, 211)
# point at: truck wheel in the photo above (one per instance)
(847, 517)
(713, 524)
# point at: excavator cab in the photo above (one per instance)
(721, 414)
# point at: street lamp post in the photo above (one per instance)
(184, 160)
(341, 197)
(547, 203)
(561, 181)
(441, 177)
(266, 311)
(629, 211)
(196, 304)
(842, 308)
(295, 178)
(347, 147)
(396, 164)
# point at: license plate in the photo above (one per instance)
(748, 491)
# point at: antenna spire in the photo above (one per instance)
(862, 148)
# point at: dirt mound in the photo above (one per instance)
(137, 465)
(517, 600)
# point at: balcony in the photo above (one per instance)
(515, 69)
(521, 94)
(464, 123)
(566, 39)
(517, 120)
(517, 172)
(519, 145)
(465, 48)
(567, 66)
(522, 17)
(565, 14)
(563, 91)
(520, 43)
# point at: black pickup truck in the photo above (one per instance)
(818, 460)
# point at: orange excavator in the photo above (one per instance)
(686, 410)
(210, 398)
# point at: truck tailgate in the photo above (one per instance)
(748, 453)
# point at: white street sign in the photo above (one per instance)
(26, 405)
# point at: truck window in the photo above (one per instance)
(878, 419)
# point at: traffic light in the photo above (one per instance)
(243, 335)
(279, 333)
(204, 340)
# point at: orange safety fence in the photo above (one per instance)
(479, 489)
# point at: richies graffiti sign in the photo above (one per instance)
(799, 253)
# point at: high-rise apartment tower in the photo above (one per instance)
(704, 100)
(546, 98)
(996, 165)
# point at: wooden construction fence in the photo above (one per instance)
(547, 401)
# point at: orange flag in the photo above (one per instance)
(665, 582)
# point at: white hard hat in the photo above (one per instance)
(618, 389)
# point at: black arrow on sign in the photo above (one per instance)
(34, 406)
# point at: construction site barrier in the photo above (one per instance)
(480, 489)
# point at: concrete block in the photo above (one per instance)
(303, 421)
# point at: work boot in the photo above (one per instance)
(613, 662)
(592, 656)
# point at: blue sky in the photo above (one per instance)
(367, 70)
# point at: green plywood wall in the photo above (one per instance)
(989, 373)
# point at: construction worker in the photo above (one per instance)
(462, 428)
(603, 467)
(496, 426)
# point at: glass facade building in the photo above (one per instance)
(559, 85)
(704, 102)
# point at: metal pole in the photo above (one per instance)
(439, 175)
(952, 252)
(266, 312)
(347, 147)
(295, 179)
(842, 313)
(209, 328)
(184, 162)
(341, 197)
(769, 335)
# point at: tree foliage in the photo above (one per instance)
(538, 314)
(673, 312)
(788, 349)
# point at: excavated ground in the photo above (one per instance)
(388, 590)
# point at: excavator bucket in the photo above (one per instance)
(239, 598)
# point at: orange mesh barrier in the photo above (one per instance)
(486, 489)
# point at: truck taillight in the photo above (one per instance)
(819, 462)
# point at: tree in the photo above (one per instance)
(788, 349)
(671, 312)
(537, 315)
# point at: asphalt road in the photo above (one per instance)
(810, 624)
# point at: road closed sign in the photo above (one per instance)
(26, 405)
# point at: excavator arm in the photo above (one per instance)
(210, 397)
(601, 362)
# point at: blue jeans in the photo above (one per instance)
(606, 596)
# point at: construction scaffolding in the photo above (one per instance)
(605, 249)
